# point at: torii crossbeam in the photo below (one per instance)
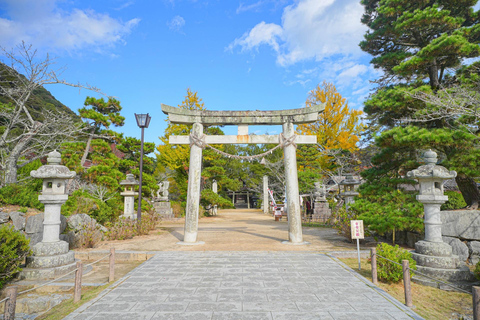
(197, 141)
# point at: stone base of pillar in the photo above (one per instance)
(164, 209)
(435, 259)
(296, 243)
(190, 243)
(321, 212)
(49, 260)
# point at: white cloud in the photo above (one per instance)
(247, 7)
(125, 5)
(347, 75)
(310, 29)
(43, 24)
(262, 33)
(176, 24)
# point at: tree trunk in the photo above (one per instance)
(11, 166)
(469, 190)
(87, 150)
(433, 76)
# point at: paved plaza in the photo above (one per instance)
(243, 285)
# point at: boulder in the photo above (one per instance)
(78, 221)
(18, 219)
(463, 224)
(63, 223)
(34, 224)
(35, 238)
(460, 249)
(4, 217)
(83, 228)
(474, 249)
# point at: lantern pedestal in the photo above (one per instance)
(434, 257)
(51, 257)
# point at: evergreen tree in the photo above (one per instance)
(417, 44)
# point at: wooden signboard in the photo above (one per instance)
(356, 229)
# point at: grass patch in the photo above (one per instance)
(65, 308)
(430, 303)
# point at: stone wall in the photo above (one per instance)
(461, 230)
(32, 227)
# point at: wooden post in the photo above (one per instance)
(476, 302)
(373, 255)
(406, 283)
(77, 291)
(10, 304)
(111, 274)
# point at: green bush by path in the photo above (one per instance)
(388, 271)
(14, 247)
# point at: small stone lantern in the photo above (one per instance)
(434, 257)
(214, 186)
(129, 193)
(51, 257)
(349, 192)
(431, 178)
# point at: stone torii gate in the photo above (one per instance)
(198, 141)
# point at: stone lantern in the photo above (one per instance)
(51, 257)
(433, 256)
(349, 192)
(321, 210)
(129, 193)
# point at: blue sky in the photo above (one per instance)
(238, 55)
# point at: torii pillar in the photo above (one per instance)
(193, 195)
(197, 141)
(295, 235)
(266, 203)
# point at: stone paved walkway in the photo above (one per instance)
(243, 285)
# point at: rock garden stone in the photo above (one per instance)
(18, 219)
(34, 224)
(463, 224)
(460, 249)
(4, 217)
(474, 248)
(81, 224)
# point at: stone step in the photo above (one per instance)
(50, 261)
(437, 249)
(452, 262)
(45, 273)
(453, 275)
(462, 285)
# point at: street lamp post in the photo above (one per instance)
(143, 120)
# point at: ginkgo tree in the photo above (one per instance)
(338, 128)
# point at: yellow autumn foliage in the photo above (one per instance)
(176, 156)
(337, 127)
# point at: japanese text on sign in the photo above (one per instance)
(356, 228)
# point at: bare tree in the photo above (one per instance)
(24, 138)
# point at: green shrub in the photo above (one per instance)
(210, 198)
(83, 202)
(126, 228)
(13, 249)
(24, 195)
(476, 272)
(388, 271)
(455, 201)
(122, 229)
(149, 222)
